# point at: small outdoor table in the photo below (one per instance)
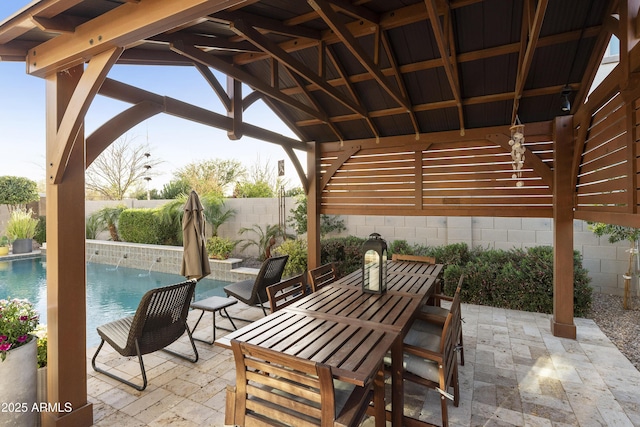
(213, 304)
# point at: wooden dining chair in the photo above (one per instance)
(425, 259)
(276, 389)
(321, 276)
(413, 258)
(287, 292)
(431, 360)
(433, 317)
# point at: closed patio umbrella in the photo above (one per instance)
(195, 262)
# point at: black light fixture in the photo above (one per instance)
(374, 265)
(565, 105)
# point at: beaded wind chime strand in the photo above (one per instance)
(517, 151)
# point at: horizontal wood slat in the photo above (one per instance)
(475, 176)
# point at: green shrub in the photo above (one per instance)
(297, 251)
(220, 247)
(401, 247)
(141, 226)
(517, 279)
(41, 230)
(345, 252)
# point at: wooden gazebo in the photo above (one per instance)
(405, 107)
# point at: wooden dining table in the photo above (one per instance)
(350, 330)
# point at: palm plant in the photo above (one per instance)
(215, 212)
(171, 214)
(265, 239)
(109, 216)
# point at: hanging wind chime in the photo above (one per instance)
(517, 151)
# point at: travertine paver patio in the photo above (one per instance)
(516, 374)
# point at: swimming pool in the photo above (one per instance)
(111, 293)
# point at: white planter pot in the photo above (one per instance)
(18, 394)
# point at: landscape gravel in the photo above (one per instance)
(621, 326)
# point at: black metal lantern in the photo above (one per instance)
(374, 265)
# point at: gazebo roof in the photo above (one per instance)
(345, 70)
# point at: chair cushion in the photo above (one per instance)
(427, 369)
(241, 290)
(425, 335)
(419, 337)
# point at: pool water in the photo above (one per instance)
(111, 293)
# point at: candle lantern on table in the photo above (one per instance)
(374, 265)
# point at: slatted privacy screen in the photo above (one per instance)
(449, 178)
(604, 170)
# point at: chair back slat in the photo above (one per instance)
(322, 276)
(449, 341)
(276, 389)
(161, 317)
(413, 258)
(286, 292)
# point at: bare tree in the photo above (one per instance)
(119, 168)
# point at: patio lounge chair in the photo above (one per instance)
(254, 292)
(276, 389)
(287, 292)
(161, 318)
(322, 276)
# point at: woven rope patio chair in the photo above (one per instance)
(161, 318)
(254, 292)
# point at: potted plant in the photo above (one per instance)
(220, 247)
(21, 228)
(4, 245)
(18, 359)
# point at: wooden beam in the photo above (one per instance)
(242, 28)
(60, 25)
(526, 59)
(234, 89)
(102, 137)
(215, 84)
(22, 23)
(198, 55)
(343, 74)
(121, 27)
(66, 276)
(562, 324)
(331, 18)
(73, 119)
(313, 205)
(267, 24)
(399, 81)
(446, 52)
(133, 95)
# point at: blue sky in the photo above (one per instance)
(174, 141)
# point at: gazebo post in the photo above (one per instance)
(562, 324)
(313, 205)
(66, 279)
